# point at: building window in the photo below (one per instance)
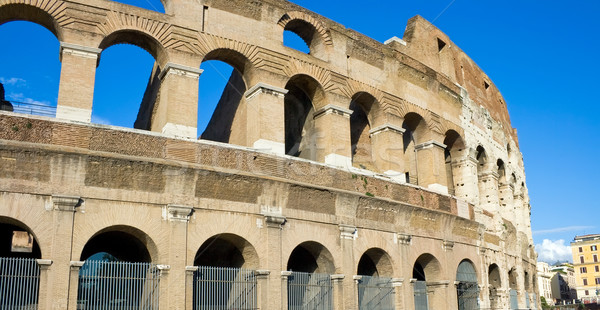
(580, 249)
(594, 248)
(585, 283)
(597, 281)
(587, 292)
(597, 268)
(581, 259)
(595, 258)
(583, 269)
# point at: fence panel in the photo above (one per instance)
(420, 292)
(118, 285)
(310, 291)
(217, 288)
(19, 283)
(468, 295)
(32, 108)
(514, 301)
(375, 293)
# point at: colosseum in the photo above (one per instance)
(360, 175)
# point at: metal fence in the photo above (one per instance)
(217, 288)
(34, 108)
(375, 293)
(468, 295)
(310, 291)
(19, 283)
(118, 285)
(420, 292)
(514, 300)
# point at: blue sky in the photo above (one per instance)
(541, 55)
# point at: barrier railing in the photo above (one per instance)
(33, 108)
(375, 293)
(310, 291)
(118, 285)
(19, 283)
(221, 288)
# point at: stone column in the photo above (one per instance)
(176, 112)
(466, 185)
(276, 295)
(337, 280)
(332, 125)
(388, 150)
(43, 297)
(262, 287)
(520, 212)
(507, 207)
(284, 291)
(488, 191)
(77, 77)
(265, 118)
(189, 286)
(437, 293)
(73, 284)
(398, 293)
(347, 237)
(431, 166)
(174, 280)
(58, 286)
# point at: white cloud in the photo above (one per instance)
(552, 251)
(12, 81)
(100, 120)
(562, 229)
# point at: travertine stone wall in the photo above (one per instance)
(435, 176)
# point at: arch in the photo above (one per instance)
(427, 268)
(482, 159)
(133, 244)
(227, 250)
(17, 245)
(467, 289)
(501, 169)
(21, 11)
(224, 125)
(311, 257)
(138, 38)
(494, 278)
(363, 106)
(513, 279)
(414, 134)
(312, 32)
(304, 94)
(454, 149)
(375, 262)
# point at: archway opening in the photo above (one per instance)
(116, 246)
(221, 101)
(19, 269)
(414, 126)
(360, 126)
(513, 287)
(127, 80)
(426, 268)
(309, 282)
(17, 240)
(30, 64)
(304, 93)
(494, 283)
(454, 149)
(467, 289)
(311, 257)
(227, 250)
(297, 31)
(153, 5)
(293, 40)
(375, 262)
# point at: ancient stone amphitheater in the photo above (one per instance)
(358, 176)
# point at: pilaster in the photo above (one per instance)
(332, 125)
(431, 166)
(265, 118)
(388, 153)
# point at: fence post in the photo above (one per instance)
(398, 293)
(262, 286)
(338, 291)
(284, 289)
(42, 291)
(189, 286)
(74, 283)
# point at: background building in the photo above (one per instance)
(587, 267)
(563, 283)
(544, 277)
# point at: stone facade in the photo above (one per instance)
(399, 153)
